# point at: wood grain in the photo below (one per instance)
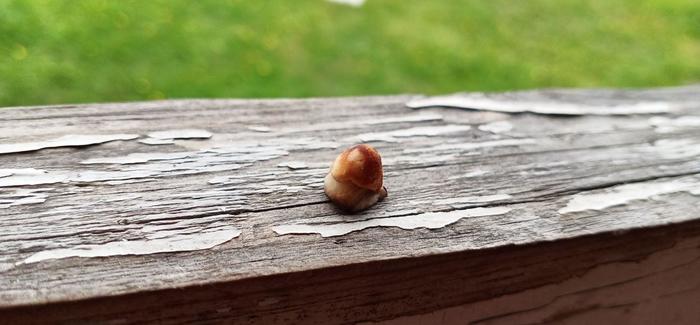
(184, 231)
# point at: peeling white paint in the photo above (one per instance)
(472, 199)
(294, 189)
(229, 143)
(219, 180)
(123, 197)
(667, 125)
(138, 158)
(62, 176)
(428, 131)
(393, 213)
(156, 142)
(6, 267)
(361, 123)
(474, 145)
(623, 194)
(416, 159)
(20, 171)
(130, 181)
(205, 239)
(259, 128)
(65, 141)
(673, 148)
(127, 174)
(23, 197)
(430, 220)
(405, 118)
(138, 166)
(28, 180)
(473, 173)
(293, 165)
(496, 127)
(307, 144)
(181, 134)
(486, 102)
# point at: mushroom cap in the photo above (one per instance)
(360, 165)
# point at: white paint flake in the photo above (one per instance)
(65, 141)
(32, 179)
(668, 125)
(486, 102)
(418, 159)
(405, 118)
(138, 158)
(357, 123)
(496, 127)
(219, 180)
(181, 134)
(623, 194)
(430, 220)
(427, 131)
(472, 199)
(161, 243)
(473, 173)
(156, 142)
(259, 128)
(149, 166)
(293, 165)
(20, 171)
(673, 148)
(23, 197)
(474, 145)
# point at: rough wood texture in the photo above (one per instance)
(213, 210)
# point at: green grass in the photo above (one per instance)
(93, 51)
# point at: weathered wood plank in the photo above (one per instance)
(124, 229)
(656, 289)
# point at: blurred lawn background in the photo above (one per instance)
(70, 51)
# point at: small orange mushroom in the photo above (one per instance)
(356, 180)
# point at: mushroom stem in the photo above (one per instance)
(355, 181)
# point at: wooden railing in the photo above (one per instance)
(528, 207)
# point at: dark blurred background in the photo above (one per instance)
(97, 50)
